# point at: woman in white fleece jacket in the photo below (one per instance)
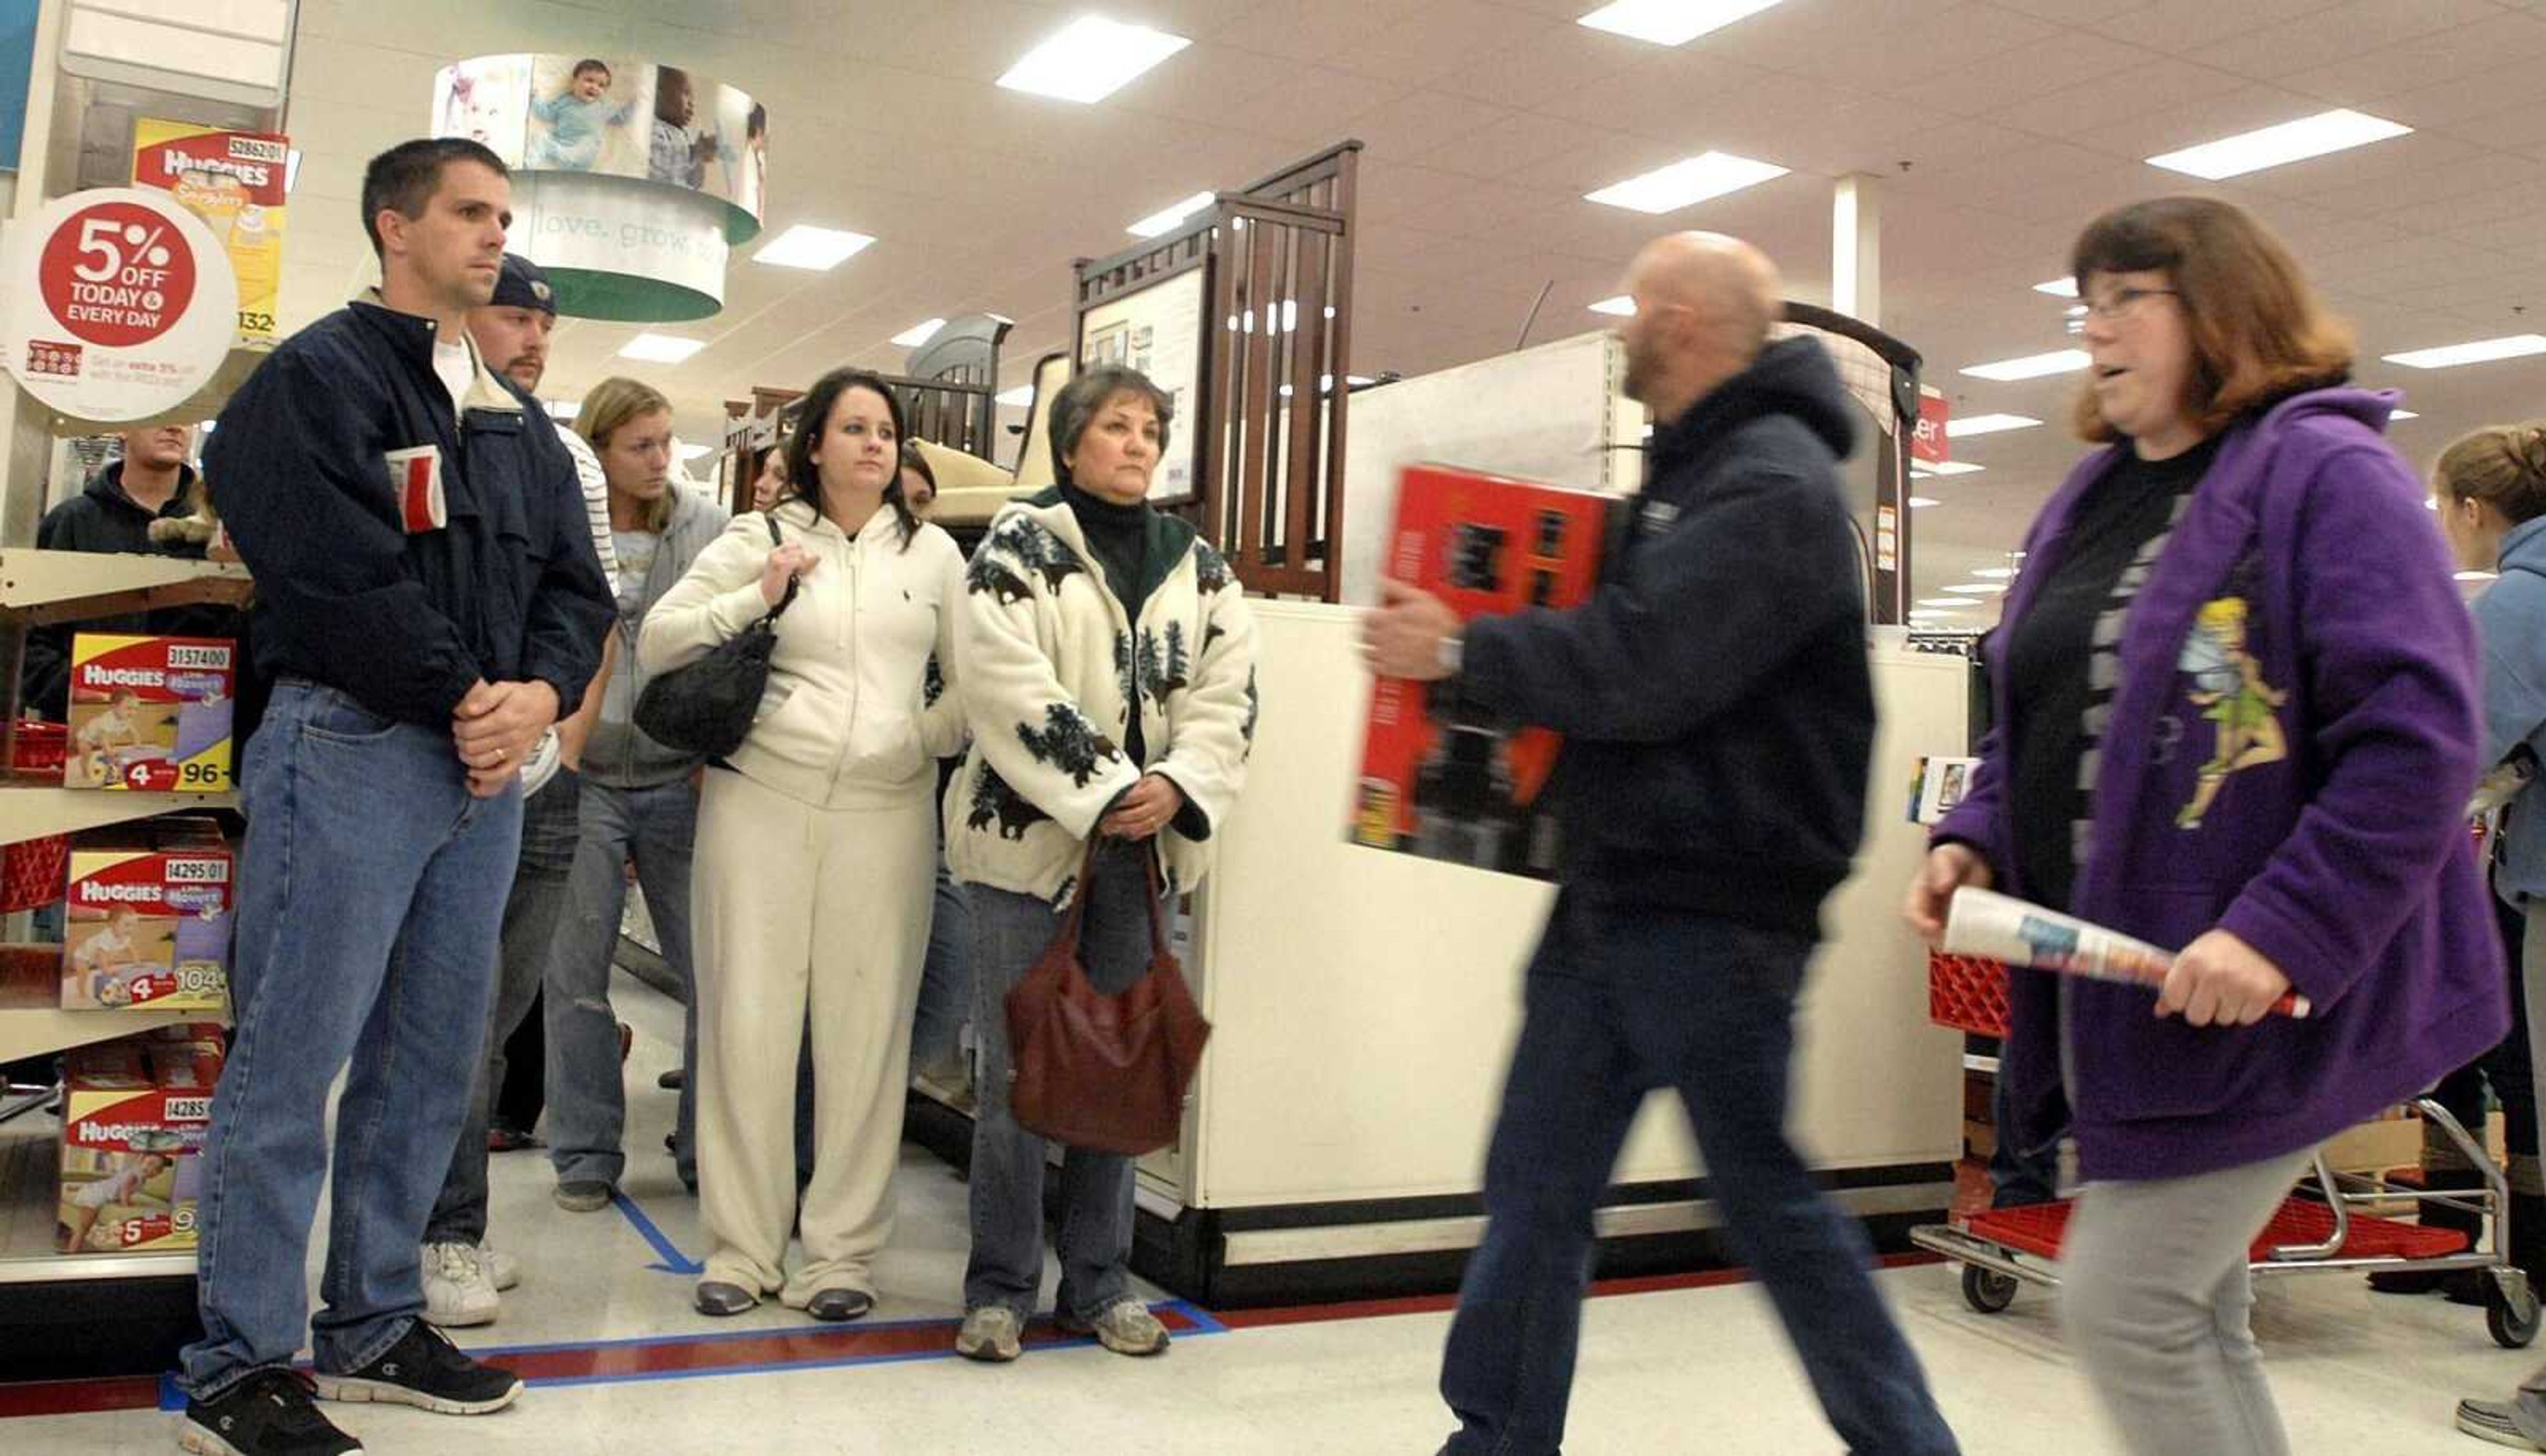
(1109, 673)
(817, 850)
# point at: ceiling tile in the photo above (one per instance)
(2361, 28)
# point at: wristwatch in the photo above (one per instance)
(1450, 652)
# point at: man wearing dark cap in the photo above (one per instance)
(462, 1275)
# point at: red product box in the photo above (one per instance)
(1441, 777)
(134, 1115)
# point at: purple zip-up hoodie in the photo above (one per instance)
(2288, 758)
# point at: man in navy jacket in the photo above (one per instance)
(428, 603)
(1719, 722)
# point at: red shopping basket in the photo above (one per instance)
(33, 872)
(1967, 993)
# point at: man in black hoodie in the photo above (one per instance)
(1719, 722)
(150, 482)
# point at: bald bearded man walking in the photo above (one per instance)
(1719, 723)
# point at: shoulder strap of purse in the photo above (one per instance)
(771, 521)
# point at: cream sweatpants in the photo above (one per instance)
(799, 909)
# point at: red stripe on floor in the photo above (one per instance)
(1433, 1303)
(80, 1397)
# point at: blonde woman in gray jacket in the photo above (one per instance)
(818, 851)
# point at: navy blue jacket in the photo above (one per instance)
(508, 591)
(1714, 693)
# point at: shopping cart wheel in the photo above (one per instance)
(1989, 1291)
(2512, 1319)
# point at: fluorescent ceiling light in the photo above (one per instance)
(1995, 573)
(686, 452)
(2077, 313)
(1090, 58)
(817, 249)
(654, 348)
(1620, 307)
(1945, 468)
(2402, 414)
(2058, 288)
(2429, 504)
(2482, 351)
(919, 333)
(1978, 588)
(564, 409)
(1686, 183)
(1947, 602)
(1987, 424)
(2476, 575)
(1166, 219)
(2032, 366)
(1326, 384)
(2274, 147)
(1020, 396)
(1921, 502)
(1670, 22)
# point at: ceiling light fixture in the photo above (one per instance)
(686, 452)
(2401, 414)
(814, 249)
(1686, 183)
(1020, 396)
(2274, 146)
(654, 348)
(1670, 22)
(1166, 219)
(2476, 575)
(1620, 307)
(919, 333)
(1995, 573)
(2482, 351)
(1978, 588)
(1947, 602)
(1089, 59)
(1944, 467)
(2058, 288)
(2032, 366)
(1921, 502)
(564, 409)
(1987, 424)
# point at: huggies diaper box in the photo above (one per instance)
(150, 713)
(134, 1114)
(149, 924)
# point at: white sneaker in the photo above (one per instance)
(456, 1288)
(502, 1270)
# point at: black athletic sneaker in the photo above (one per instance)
(424, 1369)
(269, 1414)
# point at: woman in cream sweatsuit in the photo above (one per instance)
(816, 852)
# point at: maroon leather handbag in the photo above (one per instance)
(1096, 1070)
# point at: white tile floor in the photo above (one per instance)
(1702, 1370)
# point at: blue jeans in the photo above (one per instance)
(1623, 1000)
(531, 916)
(946, 981)
(369, 896)
(1009, 934)
(2019, 1175)
(657, 828)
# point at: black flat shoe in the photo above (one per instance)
(833, 1306)
(717, 1299)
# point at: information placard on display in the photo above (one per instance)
(122, 305)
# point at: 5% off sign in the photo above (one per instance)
(122, 305)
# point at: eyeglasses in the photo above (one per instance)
(2120, 301)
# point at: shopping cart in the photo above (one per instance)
(2324, 1225)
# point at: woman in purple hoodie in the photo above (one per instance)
(2237, 714)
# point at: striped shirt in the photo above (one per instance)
(596, 498)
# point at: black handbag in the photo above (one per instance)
(707, 707)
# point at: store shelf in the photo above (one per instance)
(33, 808)
(34, 1024)
(30, 1203)
(42, 586)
